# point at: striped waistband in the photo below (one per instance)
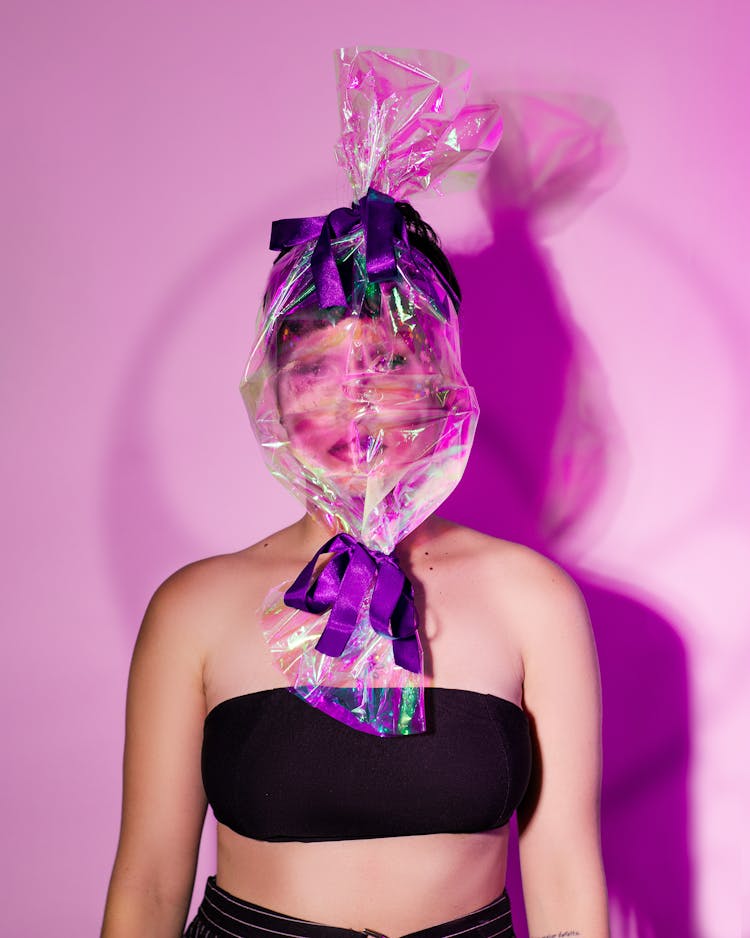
(222, 914)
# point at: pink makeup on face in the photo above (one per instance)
(362, 411)
(354, 397)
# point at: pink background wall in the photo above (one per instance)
(147, 147)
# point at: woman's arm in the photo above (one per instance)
(559, 835)
(163, 805)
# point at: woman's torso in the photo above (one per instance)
(470, 636)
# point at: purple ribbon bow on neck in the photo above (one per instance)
(342, 587)
(383, 224)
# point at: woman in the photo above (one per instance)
(396, 823)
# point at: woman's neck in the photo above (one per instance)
(311, 533)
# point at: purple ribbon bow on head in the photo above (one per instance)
(383, 224)
(342, 587)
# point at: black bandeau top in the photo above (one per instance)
(276, 769)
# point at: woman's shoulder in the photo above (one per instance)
(536, 587)
(526, 563)
(198, 595)
(541, 609)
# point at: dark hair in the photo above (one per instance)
(424, 238)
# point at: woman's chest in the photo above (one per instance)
(465, 629)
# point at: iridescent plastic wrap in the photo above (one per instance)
(406, 125)
(362, 688)
(355, 388)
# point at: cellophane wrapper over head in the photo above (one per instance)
(361, 406)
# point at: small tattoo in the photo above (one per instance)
(561, 934)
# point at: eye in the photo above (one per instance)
(397, 361)
(308, 368)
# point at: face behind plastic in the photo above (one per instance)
(365, 414)
(358, 399)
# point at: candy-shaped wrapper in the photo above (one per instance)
(357, 396)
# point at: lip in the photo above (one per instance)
(350, 451)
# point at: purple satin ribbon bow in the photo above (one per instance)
(383, 224)
(342, 587)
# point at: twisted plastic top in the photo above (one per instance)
(406, 125)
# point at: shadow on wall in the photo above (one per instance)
(539, 459)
